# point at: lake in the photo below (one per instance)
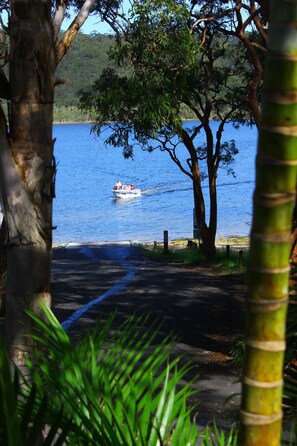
(85, 209)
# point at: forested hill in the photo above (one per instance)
(83, 64)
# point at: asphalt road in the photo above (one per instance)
(205, 311)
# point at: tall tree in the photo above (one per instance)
(274, 199)
(167, 70)
(27, 166)
(247, 21)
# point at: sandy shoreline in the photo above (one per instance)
(235, 242)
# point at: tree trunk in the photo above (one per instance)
(3, 267)
(207, 233)
(213, 210)
(26, 169)
(274, 199)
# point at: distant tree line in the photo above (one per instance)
(86, 59)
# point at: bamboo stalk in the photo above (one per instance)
(274, 199)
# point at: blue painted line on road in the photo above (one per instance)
(88, 252)
(117, 287)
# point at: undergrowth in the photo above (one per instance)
(222, 263)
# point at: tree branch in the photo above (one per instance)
(211, 18)
(178, 163)
(58, 17)
(73, 29)
(117, 27)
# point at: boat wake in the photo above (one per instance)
(162, 189)
(165, 189)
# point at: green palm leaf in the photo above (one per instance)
(116, 388)
(24, 414)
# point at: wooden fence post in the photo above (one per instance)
(165, 243)
(240, 259)
(228, 251)
(196, 226)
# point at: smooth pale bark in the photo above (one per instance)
(73, 29)
(274, 200)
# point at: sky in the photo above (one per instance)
(93, 23)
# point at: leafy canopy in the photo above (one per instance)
(159, 55)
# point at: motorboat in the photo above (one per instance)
(126, 191)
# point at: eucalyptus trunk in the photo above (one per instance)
(274, 199)
(27, 169)
(2, 268)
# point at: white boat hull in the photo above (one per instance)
(126, 193)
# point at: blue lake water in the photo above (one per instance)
(85, 210)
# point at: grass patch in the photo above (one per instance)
(233, 240)
(237, 352)
(223, 263)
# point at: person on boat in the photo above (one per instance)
(118, 184)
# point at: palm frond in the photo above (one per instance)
(23, 413)
(115, 385)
